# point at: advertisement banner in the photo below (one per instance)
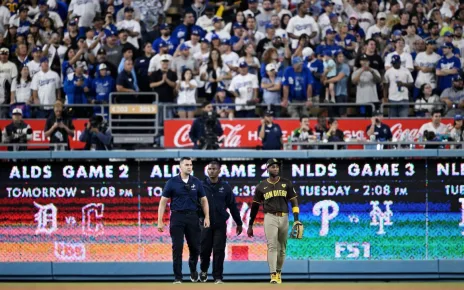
(244, 134)
(38, 135)
(382, 209)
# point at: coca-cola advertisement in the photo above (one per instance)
(38, 134)
(244, 133)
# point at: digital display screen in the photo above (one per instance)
(359, 209)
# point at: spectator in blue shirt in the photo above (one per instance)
(165, 38)
(186, 193)
(183, 31)
(447, 67)
(329, 43)
(76, 85)
(448, 38)
(101, 87)
(316, 66)
(270, 133)
(297, 87)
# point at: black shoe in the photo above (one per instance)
(177, 281)
(194, 276)
(203, 277)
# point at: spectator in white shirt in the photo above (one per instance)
(229, 57)
(131, 26)
(187, 90)
(218, 25)
(46, 88)
(155, 61)
(379, 27)
(44, 12)
(206, 21)
(301, 24)
(8, 69)
(425, 101)
(397, 82)
(128, 3)
(21, 91)
(252, 10)
(324, 19)
(405, 57)
(436, 126)
(244, 87)
(425, 64)
(34, 64)
(86, 10)
(279, 10)
(4, 19)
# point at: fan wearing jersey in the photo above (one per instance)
(274, 193)
(46, 86)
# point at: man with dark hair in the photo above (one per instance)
(184, 191)
(213, 239)
(204, 127)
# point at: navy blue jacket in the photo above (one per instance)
(184, 196)
(220, 198)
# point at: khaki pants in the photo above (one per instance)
(276, 231)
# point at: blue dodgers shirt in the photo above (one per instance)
(297, 83)
(445, 82)
(184, 196)
(317, 66)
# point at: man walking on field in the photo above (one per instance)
(274, 193)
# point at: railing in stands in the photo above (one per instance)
(134, 118)
(410, 104)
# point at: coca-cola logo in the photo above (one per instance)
(232, 136)
(399, 134)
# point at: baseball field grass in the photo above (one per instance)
(435, 285)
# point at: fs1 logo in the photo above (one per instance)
(352, 250)
(380, 218)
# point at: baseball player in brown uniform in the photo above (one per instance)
(274, 193)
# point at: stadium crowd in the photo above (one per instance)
(238, 55)
(247, 52)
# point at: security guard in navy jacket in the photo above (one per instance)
(184, 191)
(213, 239)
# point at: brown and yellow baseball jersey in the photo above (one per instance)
(275, 196)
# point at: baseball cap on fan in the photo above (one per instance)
(17, 111)
(396, 59)
(271, 162)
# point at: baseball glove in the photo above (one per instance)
(297, 230)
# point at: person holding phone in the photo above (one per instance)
(381, 131)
